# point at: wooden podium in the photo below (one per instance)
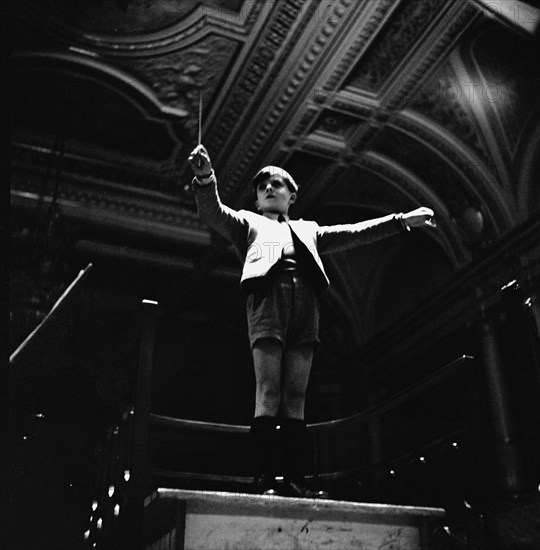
(202, 520)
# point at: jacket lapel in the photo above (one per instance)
(306, 253)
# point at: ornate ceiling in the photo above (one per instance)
(374, 106)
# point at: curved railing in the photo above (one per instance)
(179, 425)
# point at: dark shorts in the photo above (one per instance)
(285, 307)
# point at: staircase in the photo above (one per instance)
(177, 519)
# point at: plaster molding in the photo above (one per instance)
(271, 51)
(99, 199)
(178, 77)
(104, 72)
(184, 32)
(476, 177)
(273, 108)
(440, 101)
(106, 167)
(527, 164)
(425, 60)
(365, 36)
(419, 193)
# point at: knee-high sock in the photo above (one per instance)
(296, 449)
(265, 447)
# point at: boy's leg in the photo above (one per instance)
(267, 355)
(295, 377)
(296, 441)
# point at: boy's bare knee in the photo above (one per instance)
(293, 401)
(270, 394)
(292, 410)
(267, 402)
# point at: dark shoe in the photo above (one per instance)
(266, 485)
(297, 453)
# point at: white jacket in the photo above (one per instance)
(259, 241)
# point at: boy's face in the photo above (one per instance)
(273, 195)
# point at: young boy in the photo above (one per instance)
(283, 276)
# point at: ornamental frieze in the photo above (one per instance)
(441, 99)
(178, 77)
(407, 23)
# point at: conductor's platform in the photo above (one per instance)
(178, 519)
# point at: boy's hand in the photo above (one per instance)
(200, 161)
(420, 217)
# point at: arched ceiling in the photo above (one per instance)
(375, 106)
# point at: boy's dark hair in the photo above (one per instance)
(268, 171)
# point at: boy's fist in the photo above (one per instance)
(200, 161)
(420, 217)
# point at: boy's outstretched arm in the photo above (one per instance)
(226, 221)
(335, 238)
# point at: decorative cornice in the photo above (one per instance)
(201, 21)
(328, 94)
(337, 103)
(461, 18)
(321, 148)
(103, 72)
(308, 118)
(276, 112)
(100, 199)
(288, 92)
(256, 71)
(103, 187)
(138, 178)
(406, 24)
(528, 192)
(354, 106)
(500, 78)
(335, 124)
(398, 91)
(367, 32)
(436, 102)
(141, 172)
(163, 219)
(177, 77)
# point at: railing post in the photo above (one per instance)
(375, 434)
(509, 462)
(143, 393)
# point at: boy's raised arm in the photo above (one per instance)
(226, 221)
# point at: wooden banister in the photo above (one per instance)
(32, 342)
(395, 400)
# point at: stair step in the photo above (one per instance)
(178, 519)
